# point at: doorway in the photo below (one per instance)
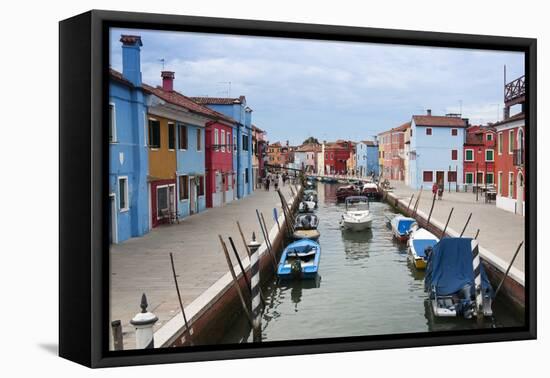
(192, 195)
(519, 194)
(113, 236)
(440, 177)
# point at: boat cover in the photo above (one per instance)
(450, 267)
(404, 225)
(420, 245)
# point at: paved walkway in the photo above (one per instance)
(500, 231)
(142, 265)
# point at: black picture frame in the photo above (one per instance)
(83, 163)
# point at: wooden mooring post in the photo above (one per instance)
(431, 210)
(255, 290)
(266, 239)
(466, 225)
(116, 328)
(508, 270)
(447, 223)
(187, 329)
(235, 280)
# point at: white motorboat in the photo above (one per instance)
(420, 240)
(357, 216)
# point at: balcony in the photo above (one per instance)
(514, 91)
(519, 158)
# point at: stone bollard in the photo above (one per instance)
(144, 322)
(255, 288)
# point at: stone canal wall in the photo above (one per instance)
(211, 315)
(513, 288)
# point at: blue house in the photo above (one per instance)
(128, 154)
(237, 109)
(436, 150)
(366, 155)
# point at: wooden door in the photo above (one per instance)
(440, 177)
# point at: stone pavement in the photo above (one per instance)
(500, 231)
(142, 265)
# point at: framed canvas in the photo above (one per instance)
(235, 188)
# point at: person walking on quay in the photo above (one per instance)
(267, 182)
(276, 182)
(434, 188)
(440, 191)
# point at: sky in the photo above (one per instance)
(330, 90)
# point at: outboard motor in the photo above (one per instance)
(466, 306)
(296, 267)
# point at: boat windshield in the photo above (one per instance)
(357, 203)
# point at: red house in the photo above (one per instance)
(479, 156)
(336, 155)
(510, 154)
(219, 163)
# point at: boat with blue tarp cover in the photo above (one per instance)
(401, 227)
(300, 260)
(451, 283)
(420, 239)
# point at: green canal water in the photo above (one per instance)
(366, 286)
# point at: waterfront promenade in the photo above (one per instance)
(500, 231)
(142, 265)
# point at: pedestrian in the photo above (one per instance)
(267, 182)
(276, 182)
(434, 188)
(440, 191)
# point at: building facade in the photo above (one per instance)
(128, 155)
(479, 156)
(336, 156)
(366, 155)
(436, 150)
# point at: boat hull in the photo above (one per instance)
(308, 267)
(306, 234)
(356, 226)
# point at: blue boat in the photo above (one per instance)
(300, 260)
(450, 280)
(401, 227)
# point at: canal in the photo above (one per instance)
(366, 286)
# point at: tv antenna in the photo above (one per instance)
(228, 87)
(163, 61)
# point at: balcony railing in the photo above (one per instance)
(519, 158)
(514, 89)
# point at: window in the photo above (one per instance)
(182, 137)
(499, 183)
(489, 155)
(216, 139)
(162, 201)
(223, 140)
(184, 187)
(451, 176)
(500, 142)
(511, 142)
(246, 175)
(234, 144)
(411, 131)
(245, 142)
(489, 137)
(228, 137)
(427, 176)
(454, 132)
(154, 133)
(199, 139)
(201, 185)
(454, 154)
(469, 155)
(171, 136)
(469, 178)
(123, 204)
(112, 123)
(489, 179)
(428, 131)
(510, 184)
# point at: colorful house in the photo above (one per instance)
(436, 150)
(259, 143)
(128, 156)
(511, 154)
(177, 155)
(366, 156)
(479, 156)
(385, 154)
(336, 156)
(237, 109)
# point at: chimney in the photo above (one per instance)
(131, 60)
(167, 80)
(429, 112)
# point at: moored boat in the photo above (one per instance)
(300, 260)
(451, 280)
(305, 227)
(306, 206)
(370, 190)
(401, 227)
(420, 240)
(346, 191)
(357, 216)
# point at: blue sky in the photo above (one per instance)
(330, 90)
